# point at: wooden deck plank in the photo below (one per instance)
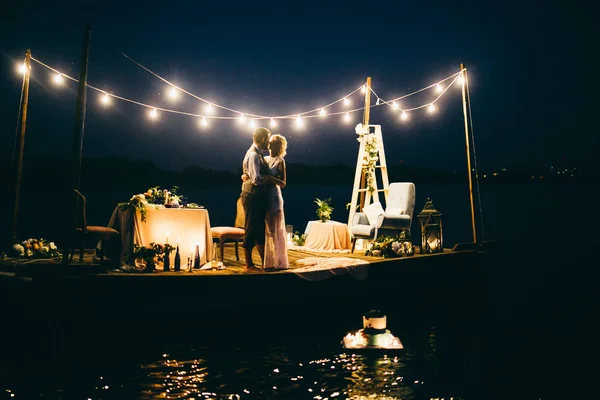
(233, 267)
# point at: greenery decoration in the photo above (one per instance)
(324, 209)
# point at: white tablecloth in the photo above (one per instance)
(190, 226)
(330, 235)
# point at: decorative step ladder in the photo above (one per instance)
(363, 131)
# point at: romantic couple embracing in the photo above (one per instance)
(263, 178)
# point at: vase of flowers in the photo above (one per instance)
(324, 209)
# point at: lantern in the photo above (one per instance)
(430, 221)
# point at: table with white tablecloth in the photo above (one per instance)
(330, 235)
(187, 226)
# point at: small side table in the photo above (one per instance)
(330, 235)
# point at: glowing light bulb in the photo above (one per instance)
(105, 100)
(299, 121)
(364, 88)
(404, 116)
(461, 79)
(431, 108)
(439, 88)
(347, 117)
(273, 124)
(22, 68)
(58, 79)
(242, 118)
(346, 101)
(173, 92)
(209, 108)
(252, 124)
(322, 113)
(203, 122)
(154, 113)
(395, 105)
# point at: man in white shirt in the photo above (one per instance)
(254, 195)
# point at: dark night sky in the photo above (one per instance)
(525, 65)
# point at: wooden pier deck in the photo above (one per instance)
(90, 265)
(47, 287)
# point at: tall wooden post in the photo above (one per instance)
(468, 134)
(78, 143)
(27, 73)
(366, 116)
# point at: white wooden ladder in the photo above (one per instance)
(381, 166)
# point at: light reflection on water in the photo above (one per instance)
(343, 376)
(227, 366)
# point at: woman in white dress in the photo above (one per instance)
(276, 256)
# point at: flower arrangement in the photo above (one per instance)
(324, 209)
(36, 248)
(153, 197)
(370, 158)
(140, 203)
(151, 254)
(299, 239)
(388, 246)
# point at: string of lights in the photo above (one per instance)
(252, 118)
(441, 90)
(173, 91)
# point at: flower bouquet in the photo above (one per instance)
(389, 247)
(35, 248)
(299, 239)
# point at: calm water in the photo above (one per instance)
(521, 346)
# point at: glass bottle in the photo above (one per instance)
(197, 257)
(177, 266)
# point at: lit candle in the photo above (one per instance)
(167, 242)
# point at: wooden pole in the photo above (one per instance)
(467, 114)
(366, 117)
(78, 143)
(367, 113)
(15, 221)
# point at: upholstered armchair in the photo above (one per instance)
(397, 216)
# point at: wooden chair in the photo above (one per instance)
(228, 233)
(84, 230)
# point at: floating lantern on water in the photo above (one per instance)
(374, 334)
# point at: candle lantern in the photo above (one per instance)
(289, 230)
(430, 220)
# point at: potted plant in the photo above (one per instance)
(324, 209)
(150, 255)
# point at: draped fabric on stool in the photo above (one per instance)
(228, 233)
(84, 230)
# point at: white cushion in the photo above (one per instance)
(394, 211)
(372, 211)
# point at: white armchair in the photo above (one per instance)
(396, 217)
